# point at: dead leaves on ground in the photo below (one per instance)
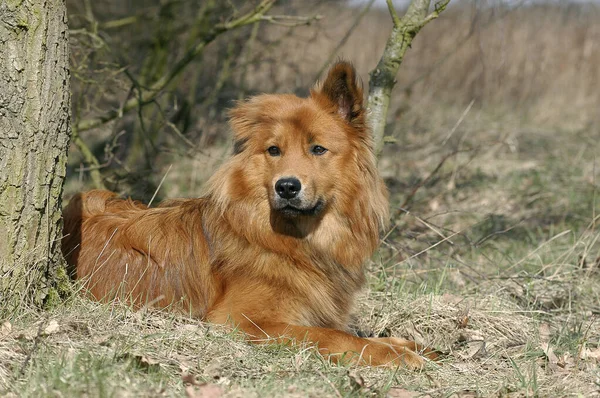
(5, 329)
(565, 361)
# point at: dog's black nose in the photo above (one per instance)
(288, 188)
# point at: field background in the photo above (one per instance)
(493, 255)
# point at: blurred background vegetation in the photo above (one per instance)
(515, 62)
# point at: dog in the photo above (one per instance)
(275, 247)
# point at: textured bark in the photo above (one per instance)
(383, 77)
(34, 137)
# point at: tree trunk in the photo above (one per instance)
(34, 138)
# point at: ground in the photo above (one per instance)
(492, 257)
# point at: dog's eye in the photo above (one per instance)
(274, 151)
(318, 150)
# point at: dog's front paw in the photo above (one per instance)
(393, 351)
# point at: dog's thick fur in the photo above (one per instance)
(246, 253)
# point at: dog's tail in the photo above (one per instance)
(82, 206)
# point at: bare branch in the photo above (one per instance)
(438, 8)
(393, 13)
(290, 20)
(383, 77)
(156, 88)
(119, 23)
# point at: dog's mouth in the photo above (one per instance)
(290, 210)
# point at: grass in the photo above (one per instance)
(494, 261)
(493, 258)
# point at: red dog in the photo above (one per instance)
(276, 246)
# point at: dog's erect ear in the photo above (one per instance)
(342, 90)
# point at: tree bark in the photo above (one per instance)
(383, 77)
(34, 138)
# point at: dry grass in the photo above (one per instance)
(494, 261)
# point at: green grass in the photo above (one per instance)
(494, 261)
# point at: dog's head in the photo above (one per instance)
(303, 153)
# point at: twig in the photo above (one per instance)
(119, 23)
(559, 235)
(458, 122)
(180, 134)
(434, 245)
(295, 21)
(455, 50)
(427, 224)
(159, 185)
(395, 19)
(429, 177)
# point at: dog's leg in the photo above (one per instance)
(340, 346)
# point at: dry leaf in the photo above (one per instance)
(469, 335)
(566, 361)
(593, 354)
(356, 380)
(415, 334)
(463, 367)
(434, 205)
(192, 328)
(142, 361)
(147, 362)
(544, 331)
(51, 328)
(475, 350)
(5, 329)
(28, 334)
(550, 356)
(462, 321)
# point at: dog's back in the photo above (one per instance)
(142, 255)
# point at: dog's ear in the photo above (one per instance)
(342, 91)
(243, 119)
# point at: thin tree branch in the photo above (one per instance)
(393, 13)
(383, 77)
(291, 20)
(156, 88)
